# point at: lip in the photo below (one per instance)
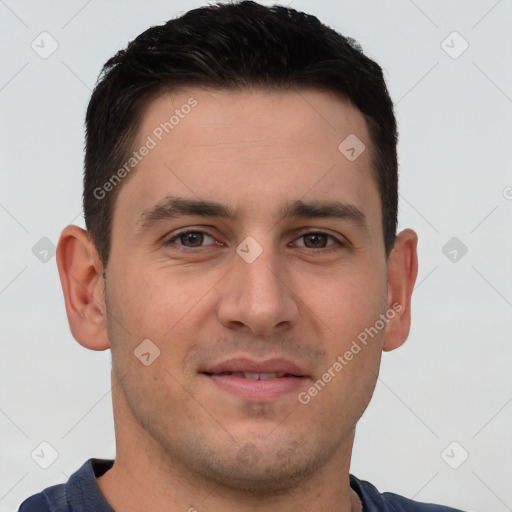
(264, 390)
(243, 364)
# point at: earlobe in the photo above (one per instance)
(80, 273)
(402, 273)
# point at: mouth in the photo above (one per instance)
(256, 376)
(257, 381)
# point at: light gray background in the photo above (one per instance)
(451, 381)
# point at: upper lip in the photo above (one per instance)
(243, 364)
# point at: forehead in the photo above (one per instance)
(218, 116)
(252, 149)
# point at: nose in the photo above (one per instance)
(257, 297)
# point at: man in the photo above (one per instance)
(241, 263)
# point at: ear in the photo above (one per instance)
(402, 273)
(80, 272)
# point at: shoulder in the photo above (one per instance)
(79, 493)
(374, 501)
(400, 504)
(39, 502)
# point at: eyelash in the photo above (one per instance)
(337, 246)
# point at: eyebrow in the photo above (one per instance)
(173, 207)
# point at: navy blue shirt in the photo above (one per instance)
(82, 494)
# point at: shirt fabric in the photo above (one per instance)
(82, 494)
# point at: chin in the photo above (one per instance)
(263, 475)
(265, 482)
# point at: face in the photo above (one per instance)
(250, 301)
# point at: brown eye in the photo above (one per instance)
(190, 239)
(195, 238)
(316, 240)
(319, 240)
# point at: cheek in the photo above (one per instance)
(347, 301)
(162, 303)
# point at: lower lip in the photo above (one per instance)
(252, 389)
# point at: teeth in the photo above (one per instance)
(264, 376)
(251, 376)
(256, 376)
(259, 376)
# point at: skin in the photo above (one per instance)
(182, 442)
